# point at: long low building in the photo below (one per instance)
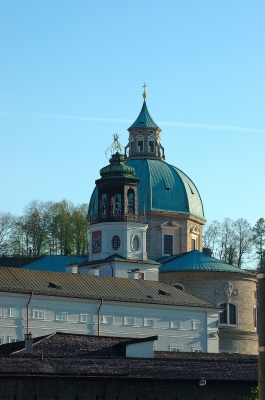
(43, 302)
(67, 366)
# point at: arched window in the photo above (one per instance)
(117, 204)
(229, 314)
(179, 286)
(130, 202)
(103, 203)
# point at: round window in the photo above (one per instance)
(116, 242)
(136, 243)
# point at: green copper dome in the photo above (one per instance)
(162, 187)
(117, 168)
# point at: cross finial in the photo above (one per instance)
(144, 93)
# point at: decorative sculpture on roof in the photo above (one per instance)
(115, 147)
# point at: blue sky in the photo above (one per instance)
(72, 75)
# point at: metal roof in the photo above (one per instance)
(117, 257)
(60, 284)
(144, 119)
(53, 263)
(162, 187)
(196, 261)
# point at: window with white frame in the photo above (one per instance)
(177, 349)
(168, 237)
(12, 340)
(106, 319)
(149, 322)
(168, 245)
(229, 314)
(13, 312)
(175, 324)
(84, 318)
(1, 312)
(37, 314)
(151, 145)
(61, 316)
(195, 350)
(129, 321)
(196, 325)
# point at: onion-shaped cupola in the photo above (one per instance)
(117, 192)
(144, 138)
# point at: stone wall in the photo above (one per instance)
(182, 234)
(211, 286)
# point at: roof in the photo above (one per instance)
(73, 355)
(162, 187)
(13, 280)
(118, 258)
(144, 119)
(196, 261)
(53, 263)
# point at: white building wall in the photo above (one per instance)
(178, 328)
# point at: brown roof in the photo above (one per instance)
(63, 354)
(63, 284)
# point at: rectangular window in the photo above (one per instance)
(196, 324)
(175, 348)
(107, 319)
(12, 340)
(223, 315)
(1, 312)
(128, 321)
(13, 312)
(140, 145)
(195, 350)
(149, 322)
(151, 146)
(232, 314)
(175, 324)
(193, 244)
(61, 316)
(37, 314)
(168, 244)
(84, 318)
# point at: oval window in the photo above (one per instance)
(116, 242)
(136, 243)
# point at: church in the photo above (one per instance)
(164, 218)
(146, 273)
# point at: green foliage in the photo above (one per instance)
(49, 228)
(254, 394)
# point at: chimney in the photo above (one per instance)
(72, 268)
(207, 251)
(28, 343)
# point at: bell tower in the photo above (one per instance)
(117, 228)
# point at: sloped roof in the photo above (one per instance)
(117, 257)
(144, 119)
(84, 286)
(53, 263)
(196, 261)
(92, 356)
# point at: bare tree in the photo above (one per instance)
(243, 239)
(7, 221)
(259, 240)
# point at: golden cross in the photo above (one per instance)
(144, 93)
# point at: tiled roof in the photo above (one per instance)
(93, 356)
(196, 261)
(60, 284)
(144, 119)
(53, 263)
(117, 257)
